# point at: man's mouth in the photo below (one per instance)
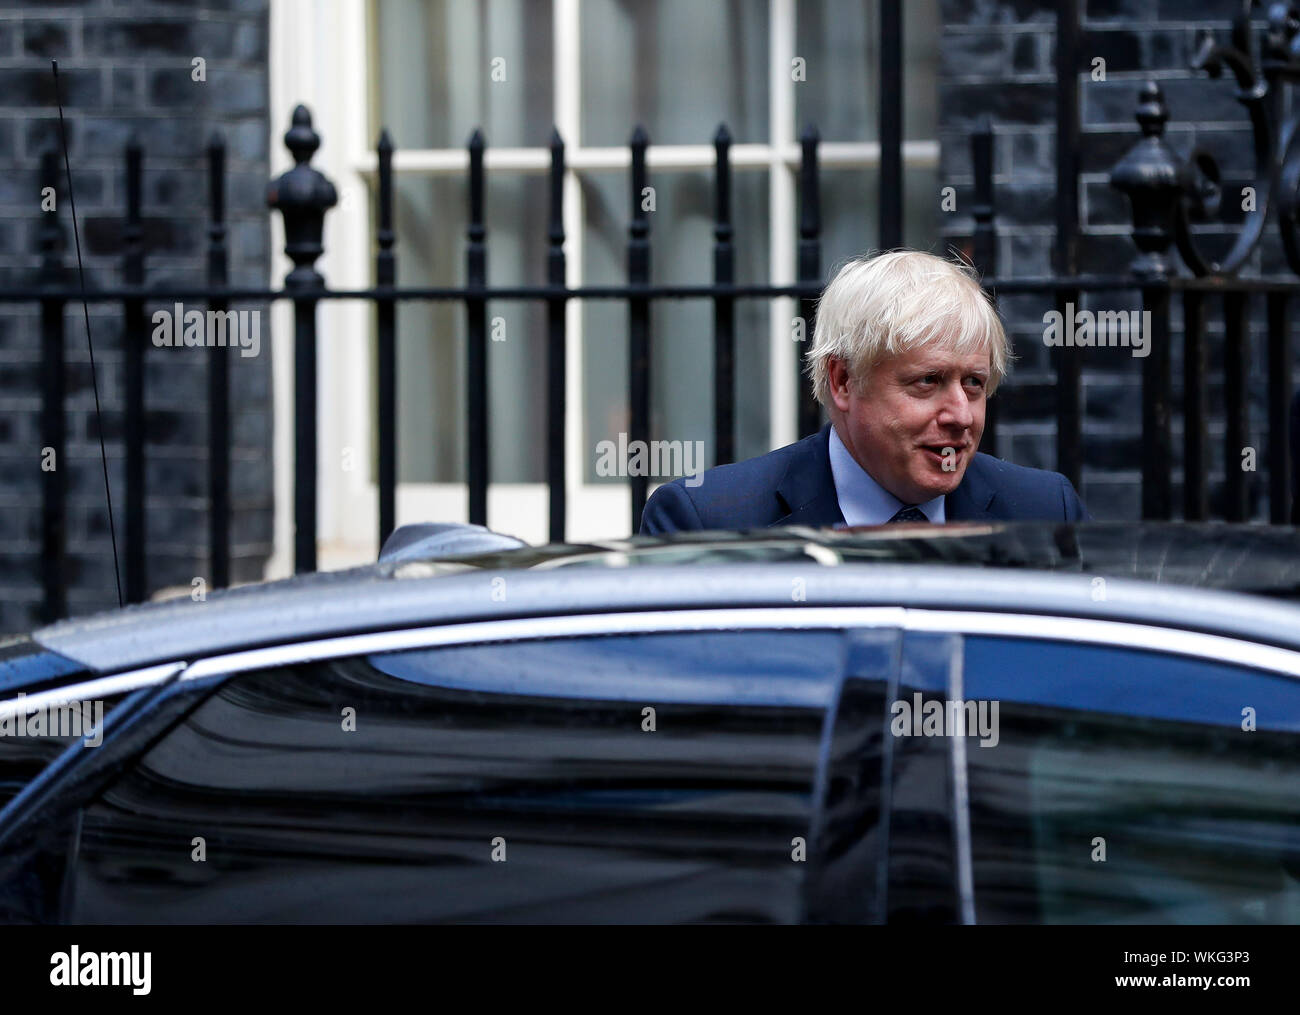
(944, 452)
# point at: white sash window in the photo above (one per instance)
(432, 70)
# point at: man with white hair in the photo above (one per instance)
(907, 350)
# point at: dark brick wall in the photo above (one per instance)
(123, 67)
(998, 56)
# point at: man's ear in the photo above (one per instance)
(840, 381)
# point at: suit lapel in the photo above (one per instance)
(807, 490)
(970, 501)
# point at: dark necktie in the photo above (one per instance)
(909, 514)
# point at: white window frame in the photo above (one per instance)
(320, 56)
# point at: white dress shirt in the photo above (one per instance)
(863, 501)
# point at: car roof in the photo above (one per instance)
(1171, 575)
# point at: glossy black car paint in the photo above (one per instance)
(243, 797)
(460, 804)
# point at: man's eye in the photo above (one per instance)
(977, 381)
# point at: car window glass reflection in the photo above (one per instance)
(743, 667)
(519, 789)
(1128, 787)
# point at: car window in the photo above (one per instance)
(37, 732)
(922, 873)
(848, 850)
(655, 777)
(30, 742)
(1130, 786)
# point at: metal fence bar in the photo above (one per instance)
(1157, 441)
(476, 318)
(1236, 421)
(1195, 502)
(1069, 401)
(133, 343)
(302, 196)
(638, 360)
(891, 124)
(984, 243)
(304, 435)
(1069, 429)
(1279, 407)
(810, 269)
(1294, 434)
(54, 483)
(218, 376)
(386, 349)
(724, 307)
(556, 351)
(984, 239)
(1067, 136)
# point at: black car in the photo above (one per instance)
(956, 724)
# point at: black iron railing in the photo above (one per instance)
(1166, 192)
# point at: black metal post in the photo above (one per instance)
(1195, 504)
(1069, 368)
(556, 349)
(1154, 180)
(1069, 401)
(810, 269)
(302, 196)
(1279, 407)
(386, 315)
(1150, 175)
(476, 319)
(638, 360)
(218, 376)
(984, 244)
(134, 339)
(1157, 440)
(304, 434)
(1236, 418)
(54, 484)
(724, 307)
(984, 239)
(1067, 136)
(891, 124)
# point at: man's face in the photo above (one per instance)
(897, 422)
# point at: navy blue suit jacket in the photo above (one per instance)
(794, 486)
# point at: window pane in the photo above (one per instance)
(682, 240)
(850, 212)
(430, 217)
(679, 67)
(921, 208)
(393, 818)
(839, 42)
(444, 67)
(1142, 755)
(731, 668)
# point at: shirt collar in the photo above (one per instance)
(863, 501)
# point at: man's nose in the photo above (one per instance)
(956, 410)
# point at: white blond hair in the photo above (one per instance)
(880, 306)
